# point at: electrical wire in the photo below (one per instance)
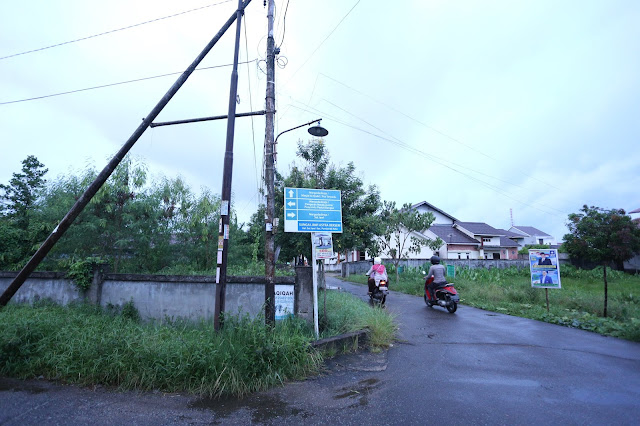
(253, 131)
(425, 125)
(284, 24)
(323, 41)
(441, 160)
(116, 84)
(425, 155)
(113, 31)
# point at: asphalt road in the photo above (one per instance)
(471, 367)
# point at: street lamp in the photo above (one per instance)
(269, 246)
(316, 130)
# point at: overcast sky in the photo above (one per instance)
(477, 107)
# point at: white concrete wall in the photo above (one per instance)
(159, 299)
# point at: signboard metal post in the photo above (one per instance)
(313, 210)
(315, 289)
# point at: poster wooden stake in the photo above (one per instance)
(546, 294)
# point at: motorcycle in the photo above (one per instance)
(379, 296)
(446, 296)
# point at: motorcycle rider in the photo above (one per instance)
(376, 273)
(437, 271)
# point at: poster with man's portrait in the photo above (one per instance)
(545, 268)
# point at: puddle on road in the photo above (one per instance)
(7, 385)
(360, 392)
(262, 407)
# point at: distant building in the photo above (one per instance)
(635, 213)
(532, 236)
(469, 240)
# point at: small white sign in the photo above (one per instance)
(224, 208)
(322, 244)
(284, 300)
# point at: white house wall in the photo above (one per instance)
(493, 241)
(440, 218)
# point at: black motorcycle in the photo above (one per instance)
(379, 296)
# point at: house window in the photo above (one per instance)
(361, 255)
(540, 241)
(467, 255)
(486, 240)
(459, 255)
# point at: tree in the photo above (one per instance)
(359, 209)
(399, 228)
(22, 192)
(602, 236)
(20, 229)
(359, 203)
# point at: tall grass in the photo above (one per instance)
(81, 344)
(346, 313)
(579, 303)
(87, 345)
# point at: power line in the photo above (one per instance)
(441, 160)
(425, 155)
(113, 31)
(424, 124)
(284, 24)
(253, 131)
(323, 41)
(115, 84)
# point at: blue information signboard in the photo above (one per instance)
(312, 210)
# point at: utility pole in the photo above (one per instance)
(227, 173)
(269, 247)
(93, 188)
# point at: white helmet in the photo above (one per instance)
(377, 260)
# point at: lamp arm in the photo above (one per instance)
(297, 127)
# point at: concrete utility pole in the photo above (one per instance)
(227, 174)
(269, 247)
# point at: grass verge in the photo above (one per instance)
(86, 345)
(579, 303)
(346, 313)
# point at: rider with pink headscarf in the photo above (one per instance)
(376, 273)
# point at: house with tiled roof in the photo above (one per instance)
(468, 240)
(532, 236)
(494, 243)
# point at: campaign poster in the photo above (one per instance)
(284, 301)
(322, 244)
(545, 268)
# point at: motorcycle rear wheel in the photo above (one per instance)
(426, 300)
(452, 307)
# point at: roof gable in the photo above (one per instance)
(529, 231)
(510, 234)
(480, 228)
(451, 235)
(432, 207)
